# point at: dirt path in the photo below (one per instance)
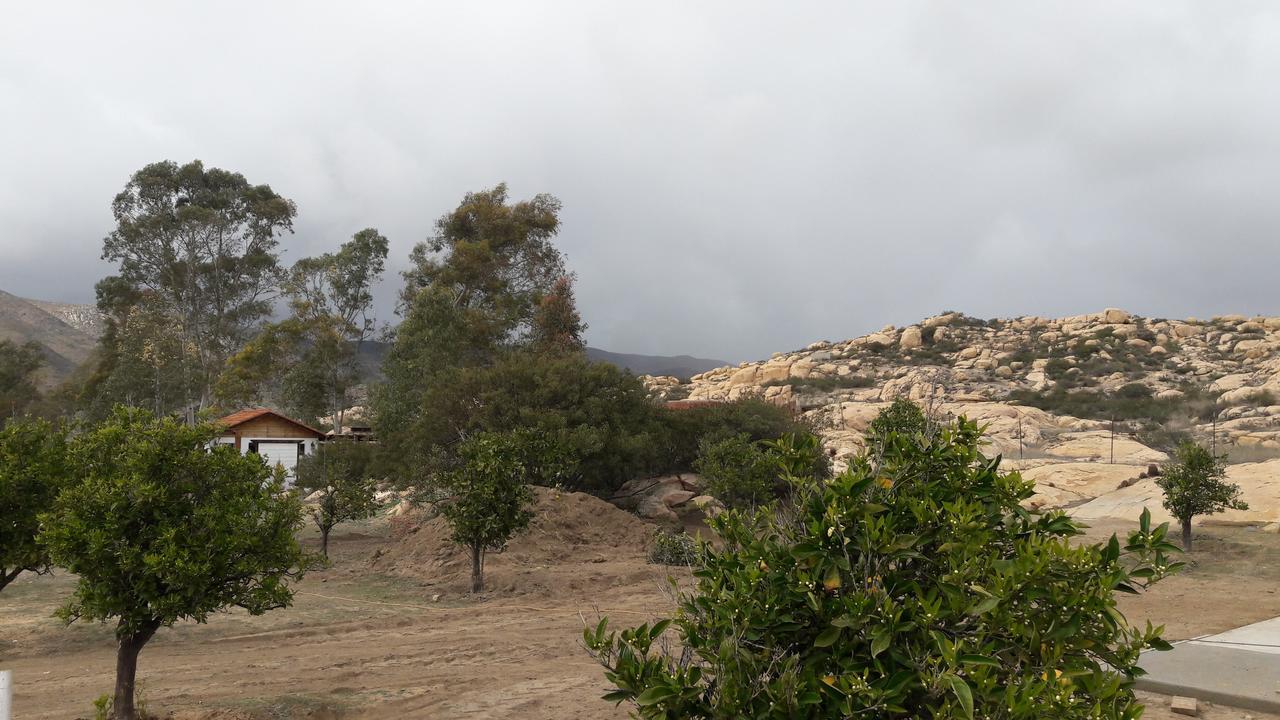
(362, 644)
(368, 655)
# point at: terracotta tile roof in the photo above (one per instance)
(241, 417)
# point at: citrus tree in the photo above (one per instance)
(1194, 484)
(161, 525)
(339, 472)
(488, 494)
(32, 472)
(912, 585)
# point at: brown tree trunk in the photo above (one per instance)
(477, 569)
(324, 542)
(126, 673)
(1186, 534)
(7, 577)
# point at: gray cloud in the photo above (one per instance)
(737, 178)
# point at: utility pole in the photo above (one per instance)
(1113, 439)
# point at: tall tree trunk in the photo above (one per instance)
(1186, 534)
(126, 673)
(324, 542)
(477, 569)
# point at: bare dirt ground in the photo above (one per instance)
(366, 639)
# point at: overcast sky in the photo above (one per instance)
(737, 178)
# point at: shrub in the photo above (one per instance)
(902, 417)
(683, 431)
(673, 548)
(737, 471)
(914, 586)
(1133, 401)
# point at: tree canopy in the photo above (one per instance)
(1194, 484)
(160, 526)
(487, 492)
(33, 470)
(18, 366)
(471, 296)
(200, 245)
(308, 362)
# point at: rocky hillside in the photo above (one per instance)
(1051, 391)
(65, 346)
(88, 319)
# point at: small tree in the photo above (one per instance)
(161, 525)
(32, 471)
(1193, 485)
(912, 585)
(338, 470)
(488, 493)
(903, 416)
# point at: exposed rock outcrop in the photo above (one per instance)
(1082, 370)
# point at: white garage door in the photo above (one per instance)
(276, 453)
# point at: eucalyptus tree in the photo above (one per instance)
(202, 244)
(308, 362)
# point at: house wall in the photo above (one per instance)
(269, 426)
(268, 429)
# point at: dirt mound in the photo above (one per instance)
(567, 531)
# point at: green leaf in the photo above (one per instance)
(654, 695)
(974, 659)
(985, 605)
(963, 694)
(827, 638)
(880, 642)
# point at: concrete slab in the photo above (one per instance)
(1225, 675)
(1263, 637)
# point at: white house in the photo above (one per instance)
(278, 439)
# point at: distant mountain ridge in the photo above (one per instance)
(66, 347)
(68, 332)
(680, 366)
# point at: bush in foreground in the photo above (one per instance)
(913, 587)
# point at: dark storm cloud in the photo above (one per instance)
(737, 178)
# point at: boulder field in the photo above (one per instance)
(1083, 405)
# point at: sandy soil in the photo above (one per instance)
(366, 639)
